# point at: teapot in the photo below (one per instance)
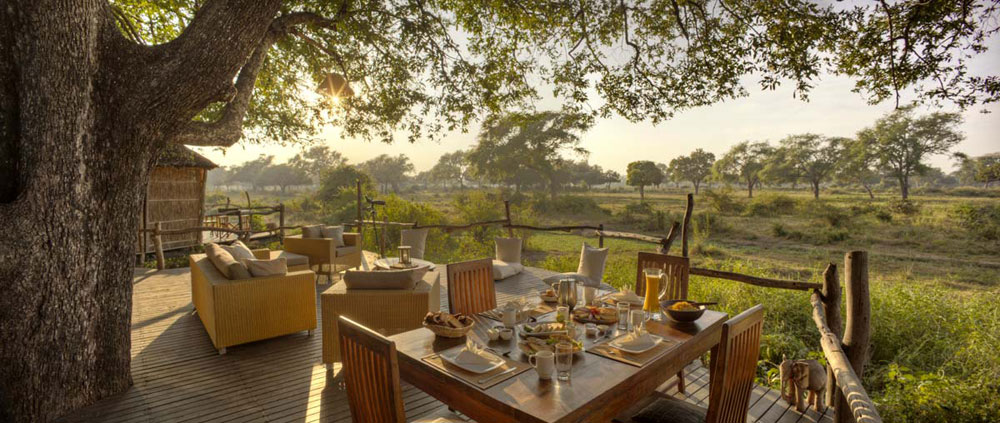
(566, 292)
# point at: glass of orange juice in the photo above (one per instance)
(651, 304)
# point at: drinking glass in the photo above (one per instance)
(562, 314)
(654, 290)
(588, 295)
(637, 319)
(564, 360)
(623, 309)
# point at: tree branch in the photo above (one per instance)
(229, 128)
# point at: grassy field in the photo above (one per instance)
(934, 267)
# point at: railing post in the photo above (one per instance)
(600, 236)
(158, 243)
(281, 221)
(687, 223)
(361, 219)
(857, 334)
(506, 210)
(831, 308)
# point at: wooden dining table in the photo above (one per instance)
(598, 390)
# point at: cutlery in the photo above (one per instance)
(508, 371)
(505, 354)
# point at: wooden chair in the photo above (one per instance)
(675, 273)
(733, 367)
(371, 374)
(470, 287)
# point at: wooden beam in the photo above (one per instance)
(860, 407)
(161, 262)
(687, 223)
(754, 280)
(665, 243)
(857, 334)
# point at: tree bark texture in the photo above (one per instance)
(83, 113)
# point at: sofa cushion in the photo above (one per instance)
(503, 270)
(291, 259)
(239, 251)
(227, 265)
(336, 233)
(275, 267)
(343, 251)
(416, 239)
(312, 231)
(592, 262)
(509, 250)
(381, 279)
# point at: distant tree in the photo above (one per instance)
(611, 177)
(642, 173)
(693, 168)
(218, 177)
(249, 172)
(388, 171)
(584, 173)
(857, 165)
(988, 169)
(282, 176)
(902, 142)
(743, 163)
(933, 177)
(665, 170)
(317, 158)
(334, 182)
(809, 157)
(515, 142)
(450, 167)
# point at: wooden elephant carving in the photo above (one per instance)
(799, 377)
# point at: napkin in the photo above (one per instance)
(472, 354)
(627, 296)
(635, 340)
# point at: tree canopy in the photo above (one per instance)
(809, 157)
(316, 159)
(641, 174)
(509, 145)
(743, 163)
(902, 142)
(693, 168)
(388, 171)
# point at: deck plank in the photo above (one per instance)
(179, 377)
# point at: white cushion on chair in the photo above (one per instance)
(239, 251)
(416, 239)
(509, 250)
(276, 267)
(503, 270)
(312, 231)
(592, 261)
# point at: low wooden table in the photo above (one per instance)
(599, 388)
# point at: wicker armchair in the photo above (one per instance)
(323, 252)
(245, 310)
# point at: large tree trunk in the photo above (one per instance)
(904, 187)
(696, 184)
(642, 194)
(750, 189)
(89, 111)
(815, 187)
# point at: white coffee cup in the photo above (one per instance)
(544, 362)
(509, 317)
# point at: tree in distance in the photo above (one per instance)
(902, 142)
(316, 159)
(283, 176)
(808, 157)
(92, 91)
(693, 168)
(743, 163)
(857, 165)
(515, 142)
(388, 171)
(641, 174)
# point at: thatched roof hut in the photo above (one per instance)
(175, 196)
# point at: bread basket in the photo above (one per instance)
(448, 331)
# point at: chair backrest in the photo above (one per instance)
(470, 287)
(675, 274)
(734, 365)
(371, 373)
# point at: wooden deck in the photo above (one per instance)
(179, 377)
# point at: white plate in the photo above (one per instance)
(450, 356)
(656, 341)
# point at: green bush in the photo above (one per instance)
(567, 204)
(707, 223)
(769, 204)
(982, 221)
(973, 192)
(930, 397)
(644, 217)
(883, 215)
(722, 201)
(827, 213)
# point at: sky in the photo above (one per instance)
(832, 110)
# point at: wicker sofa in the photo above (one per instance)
(239, 311)
(323, 252)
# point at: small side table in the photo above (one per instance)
(386, 311)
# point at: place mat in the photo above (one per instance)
(474, 378)
(539, 310)
(604, 349)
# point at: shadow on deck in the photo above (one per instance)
(179, 377)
